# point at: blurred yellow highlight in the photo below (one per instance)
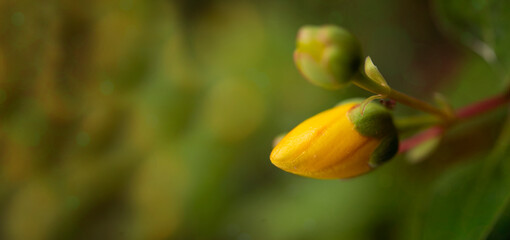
(157, 196)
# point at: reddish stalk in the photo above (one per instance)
(464, 113)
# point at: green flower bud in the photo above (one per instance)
(328, 56)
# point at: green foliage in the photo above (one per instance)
(466, 201)
(139, 119)
(481, 25)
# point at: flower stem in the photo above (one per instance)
(419, 104)
(381, 88)
(419, 138)
(482, 106)
(464, 113)
(414, 122)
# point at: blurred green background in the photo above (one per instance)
(127, 119)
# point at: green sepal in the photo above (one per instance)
(371, 79)
(375, 121)
(386, 150)
(373, 73)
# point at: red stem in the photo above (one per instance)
(482, 106)
(466, 112)
(415, 140)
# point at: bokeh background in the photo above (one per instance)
(128, 119)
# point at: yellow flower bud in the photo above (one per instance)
(327, 56)
(338, 143)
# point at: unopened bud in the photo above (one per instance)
(341, 142)
(328, 56)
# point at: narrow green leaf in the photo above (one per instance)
(468, 200)
(422, 151)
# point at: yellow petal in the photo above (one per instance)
(325, 146)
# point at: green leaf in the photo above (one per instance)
(423, 150)
(482, 25)
(373, 72)
(468, 200)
